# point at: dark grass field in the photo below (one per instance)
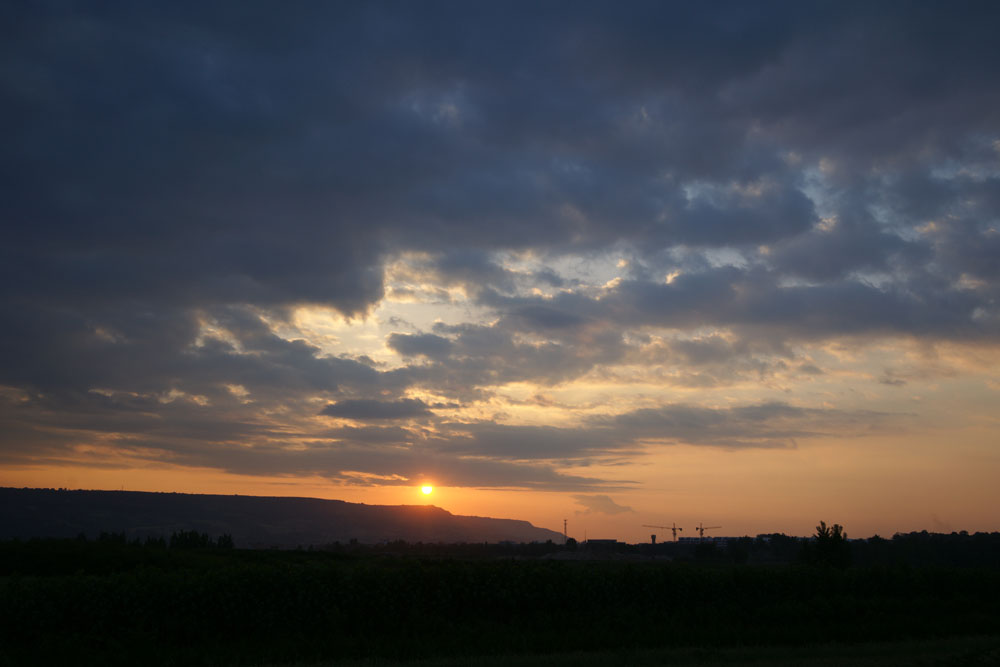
(124, 605)
(955, 651)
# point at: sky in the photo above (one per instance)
(614, 263)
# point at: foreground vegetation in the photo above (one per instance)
(955, 652)
(110, 602)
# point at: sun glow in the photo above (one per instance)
(427, 490)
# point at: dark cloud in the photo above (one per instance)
(755, 299)
(176, 180)
(739, 217)
(412, 345)
(854, 243)
(518, 442)
(762, 425)
(481, 356)
(368, 410)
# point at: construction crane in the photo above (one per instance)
(701, 528)
(673, 528)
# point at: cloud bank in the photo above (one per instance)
(666, 197)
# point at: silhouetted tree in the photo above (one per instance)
(705, 551)
(190, 539)
(829, 546)
(739, 550)
(112, 538)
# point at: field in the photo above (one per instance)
(91, 603)
(941, 652)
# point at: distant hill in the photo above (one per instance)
(252, 521)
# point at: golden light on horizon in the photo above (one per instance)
(427, 490)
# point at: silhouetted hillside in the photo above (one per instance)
(252, 521)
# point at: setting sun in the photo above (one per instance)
(426, 490)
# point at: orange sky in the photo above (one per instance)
(733, 265)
